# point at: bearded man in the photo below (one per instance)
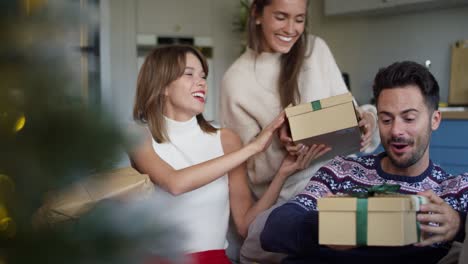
(407, 97)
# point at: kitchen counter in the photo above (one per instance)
(454, 115)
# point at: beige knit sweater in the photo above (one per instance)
(250, 100)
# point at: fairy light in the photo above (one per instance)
(19, 124)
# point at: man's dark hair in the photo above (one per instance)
(404, 73)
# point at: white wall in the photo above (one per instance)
(118, 56)
(363, 44)
(122, 20)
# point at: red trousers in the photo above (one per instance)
(210, 257)
(205, 257)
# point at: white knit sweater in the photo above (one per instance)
(249, 101)
(202, 214)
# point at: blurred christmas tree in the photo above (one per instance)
(49, 137)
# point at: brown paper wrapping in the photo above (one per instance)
(75, 200)
(458, 93)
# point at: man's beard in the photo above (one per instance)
(415, 155)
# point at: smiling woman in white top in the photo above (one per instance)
(198, 169)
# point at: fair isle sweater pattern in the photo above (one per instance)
(342, 174)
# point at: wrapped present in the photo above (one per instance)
(77, 199)
(331, 121)
(382, 219)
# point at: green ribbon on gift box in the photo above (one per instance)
(361, 206)
(361, 222)
(373, 190)
(316, 105)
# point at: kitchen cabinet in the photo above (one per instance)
(175, 17)
(449, 145)
(365, 7)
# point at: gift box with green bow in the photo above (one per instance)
(375, 216)
(332, 121)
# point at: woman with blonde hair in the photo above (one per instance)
(197, 169)
(282, 65)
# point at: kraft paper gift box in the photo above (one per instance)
(332, 121)
(458, 92)
(386, 220)
(75, 200)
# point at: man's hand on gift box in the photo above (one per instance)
(439, 222)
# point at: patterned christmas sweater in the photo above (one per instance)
(293, 227)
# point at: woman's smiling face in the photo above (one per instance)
(185, 97)
(282, 24)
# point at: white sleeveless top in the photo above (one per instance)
(202, 214)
